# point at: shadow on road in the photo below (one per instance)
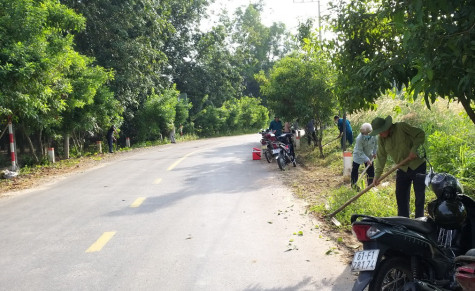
(212, 178)
(310, 283)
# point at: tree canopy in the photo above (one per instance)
(299, 86)
(426, 47)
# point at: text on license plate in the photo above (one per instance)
(364, 260)
(276, 151)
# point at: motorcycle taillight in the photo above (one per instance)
(360, 231)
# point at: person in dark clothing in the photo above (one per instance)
(349, 130)
(276, 126)
(111, 138)
(311, 134)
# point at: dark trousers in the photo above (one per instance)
(369, 173)
(110, 141)
(403, 190)
(349, 140)
(312, 136)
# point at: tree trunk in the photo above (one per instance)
(319, 134)
(66, 146)
(32, 147)
(468, 108)
(75, 142)
(344, 132)
(43, 151)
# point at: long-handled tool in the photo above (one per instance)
(369, 187)
(330, 142)
(364, 171)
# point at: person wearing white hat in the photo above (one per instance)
(400, 141)
(363, 153)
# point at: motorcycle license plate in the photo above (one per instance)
(275, 152)
(364, 260)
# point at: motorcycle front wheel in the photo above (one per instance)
(393, 273)
(281, 162)
(268, 156)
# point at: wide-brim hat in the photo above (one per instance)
(379, 125)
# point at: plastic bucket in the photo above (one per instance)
(256, 154)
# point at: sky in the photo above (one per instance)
(286, 11)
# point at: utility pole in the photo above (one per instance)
(319, 18)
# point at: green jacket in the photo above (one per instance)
(402, 140)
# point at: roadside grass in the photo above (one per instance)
(450, 147)
(379, 201)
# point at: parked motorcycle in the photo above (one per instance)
(286, 154)
(272, 148)
(465, 273)
(416, 254)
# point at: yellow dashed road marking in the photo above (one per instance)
(137, 202)
(179, 161)
(101, 242)
(157, 181)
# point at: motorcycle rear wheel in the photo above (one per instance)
(281, 162)
(392, 275)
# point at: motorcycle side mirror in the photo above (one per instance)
(421, 152)
(429, 177)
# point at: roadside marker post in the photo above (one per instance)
(99, 146)
(12, 144)
(51, 155)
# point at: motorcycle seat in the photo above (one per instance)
(423, 224)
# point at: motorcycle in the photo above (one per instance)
(416, 254)
(465, 273)
(286, 154)
(269, 140)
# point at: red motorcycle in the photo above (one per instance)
(465, 274)
(272, 145)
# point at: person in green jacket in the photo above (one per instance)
(400, 141)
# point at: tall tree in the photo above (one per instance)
(35, 54)
(39, 68)
(300, 86)
(425, 46)
(257, 47)
(143, 41)
(210, 78)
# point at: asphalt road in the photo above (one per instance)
(200, 215)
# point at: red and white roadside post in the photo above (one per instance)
(297, 140)
(51, 155)
(127, 142)
(12, 144)
(99, 146)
